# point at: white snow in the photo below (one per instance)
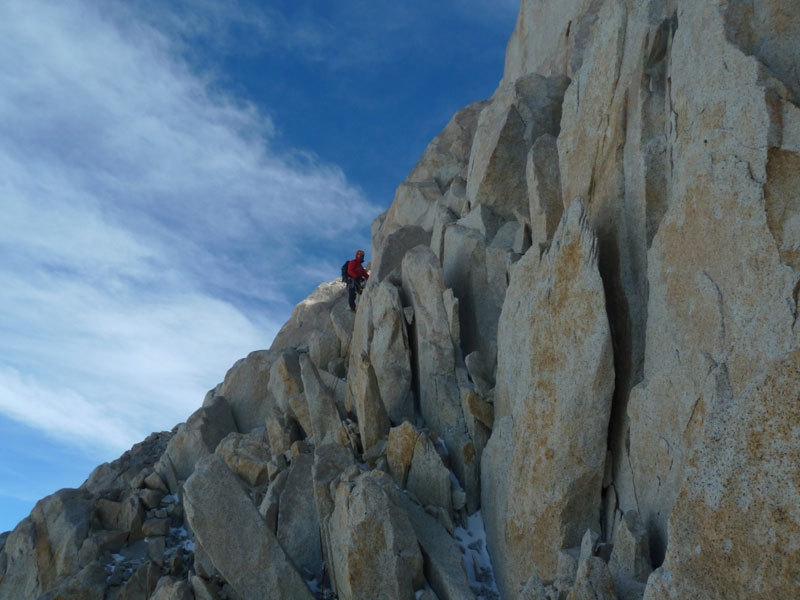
(477, 562)
(185, 540)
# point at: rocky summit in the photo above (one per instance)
(574, 373)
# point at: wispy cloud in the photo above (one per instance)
(149, 225)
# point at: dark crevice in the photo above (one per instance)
(655, 120)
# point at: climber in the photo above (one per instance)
(356, 278)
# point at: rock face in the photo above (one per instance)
(578, 343)
(555, 382)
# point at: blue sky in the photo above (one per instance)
(176, 176)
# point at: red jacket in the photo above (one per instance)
(355, 270)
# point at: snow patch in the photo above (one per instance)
(478, 564)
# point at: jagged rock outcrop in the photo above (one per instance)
(542, 479)
(438, 366)
(379, 373)
(578, 342)
(228, 527)
(375, 551)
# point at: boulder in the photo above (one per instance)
(342, 321)
(88, 584)
(435, 351)
(630, 558)
(544, 190)
(195, 438)
(362, 395)
(479, 418)
(415, 204)
(330, 463)
(431, 183)
(444, 218)
(326, 421)
(443, 563)
(222, 516)
(247, 455)
(519, 113)
(465, 272)
(324, 346)
(379, 381)
(389, 255)
(447, 156)
(593, 580)
(44, 547)
(127, 514)
(555, 377)
(375, 551)
(298, 524)
(99, 543)
(141, 584)
(203, 589)
(282, 431)
(270, 504)
(535, 589)
(245, 387)
(323, 310)
(389, 353)
(286, 386)
(400, 451)
(169, 588)
(428, 478)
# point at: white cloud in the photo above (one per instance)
(63, 412)
(148, 225)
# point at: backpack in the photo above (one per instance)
(345, 276)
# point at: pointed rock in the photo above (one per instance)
(389, 352)
(298, 525)
(195, 439)
(44, 547)
(375, 551)
(444, 566)
(245, 389)
(379, 381)
(318, 312)
(363, 394)
(169, 588)
(326, 422)
(518, 114)
(400, 451)
(271, 502)
(389, 255)
(330, 463)
(286, 386)
(428, 478)
(544, 190)
(630, 558)
(556, 378)
(436, 348)
(241, 546)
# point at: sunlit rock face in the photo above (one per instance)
(573, 373)
(555, 381)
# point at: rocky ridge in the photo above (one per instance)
(574, 372)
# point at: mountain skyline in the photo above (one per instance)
(176, 177)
